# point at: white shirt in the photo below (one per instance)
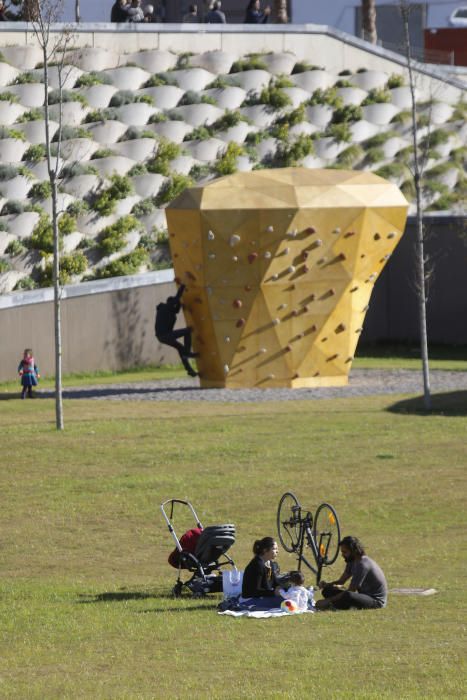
(299, 594)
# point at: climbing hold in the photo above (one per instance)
(288, 348)
(237, 303)
(226, 369)
(336, 231)
(376, 236)
(304, 254)
(270, 229)
(349, 233)
(282, 306)
(306, 268)
(393, 234)
(359, 330)
(339, 257)
(286, 251)
(211, 256)
(292, 234)
(318, 243)
(262, 351)
(175, 255)
(354, 289)
(211, 236)
(267, 255)
(235, 258)
(227, 339)
(271, 376)
(340, 328)
(365, 308)
(234, 240)
(333, 357)
(373, 276)
(276, 321)
(190, 275)
(291, 269)
(275, 277)
(240, 322)
(296, 376)
(247, 288)
(252, 257)
(310, 230)
(312, 328)
(349, 359)
(362, 255)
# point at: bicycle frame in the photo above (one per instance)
(298, 529)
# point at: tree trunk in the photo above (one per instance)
(77, 12)
(56, 247)
(369, 21)
(419, 242)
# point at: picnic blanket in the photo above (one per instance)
(262, 614)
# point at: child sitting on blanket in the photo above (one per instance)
(297, 591)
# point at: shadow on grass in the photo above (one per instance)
(452, 403)
(191, 604)
(9, 395)
(103, 392)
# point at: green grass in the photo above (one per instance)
(84, 610)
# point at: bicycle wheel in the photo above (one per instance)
(327, 533)
(288, 522)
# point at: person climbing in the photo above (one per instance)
(166, 317)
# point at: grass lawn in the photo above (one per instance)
(84, 583)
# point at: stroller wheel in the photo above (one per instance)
(177, 589)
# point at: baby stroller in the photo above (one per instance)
(198, 551)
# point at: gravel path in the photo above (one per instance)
(363, 382)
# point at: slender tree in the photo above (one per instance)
(418, 167)
(53, 46)
(77, 12)
(369, 21)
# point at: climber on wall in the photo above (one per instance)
(166, 317)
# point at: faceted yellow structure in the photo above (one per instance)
(279, 267)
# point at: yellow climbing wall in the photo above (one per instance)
(279, 267)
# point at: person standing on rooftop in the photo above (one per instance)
(254, 13)
(215, 15)
(191, 16)
(119, 12)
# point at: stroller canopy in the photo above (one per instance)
(214, 541)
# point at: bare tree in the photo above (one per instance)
(53, 46)
(369, 21)
(418, 166)
(77, 12)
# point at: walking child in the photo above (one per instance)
(29, 373)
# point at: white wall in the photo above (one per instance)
(341, 13)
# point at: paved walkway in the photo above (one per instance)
(363, 382)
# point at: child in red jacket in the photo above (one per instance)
(29, 373)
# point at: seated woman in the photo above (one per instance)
(260, 585)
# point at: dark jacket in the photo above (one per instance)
(118, 14)
(215, 17)
(259, 580)
(255, 17)
(166, 314)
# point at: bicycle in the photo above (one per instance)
(298, 530)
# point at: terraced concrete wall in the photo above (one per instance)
(320, 44)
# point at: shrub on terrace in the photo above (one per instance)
(25, 284)
(70, 265)
(15, 247)
(290, 155)
(347, 113)
(93, 78)
(55, 97)
(40, 190)
(326, 97)
(35, 153)
(126, 97)
(173, 186)
(377, 96)
(227, 163)
(126, 265)
(106, 201)
(32, 115)
(113, 238)
(42, 236)
(394, 81)
(303, 67)
(250, 62)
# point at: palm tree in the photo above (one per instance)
(369, 21)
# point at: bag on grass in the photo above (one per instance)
(232, 583)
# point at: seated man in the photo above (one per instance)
(368, 588)
(166, 317)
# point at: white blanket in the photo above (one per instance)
(262, 614)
